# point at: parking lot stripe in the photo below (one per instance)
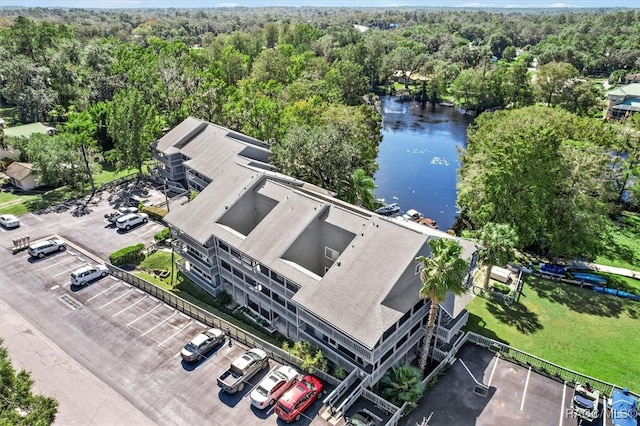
(526, 384)
(495, 364)
(159, 324)
(103, 291)
(71, 259)
(563, 412)
(117, 298)
(145, 314)
(174, 334)
(66, 270)
(41, 220)
(130, 306)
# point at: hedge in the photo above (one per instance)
(155, 213)
(131, 254)
(162, 235)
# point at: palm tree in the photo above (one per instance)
(498, 241)
(362, 187)
(403, 383)
(442, 272)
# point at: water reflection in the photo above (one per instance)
(418, 158)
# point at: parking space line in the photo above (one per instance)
(563, 412)
(159, 324)
(71, 259)
(102, 292)
(174, 334)
(524, 393)
(66, 270)
(41, 220)
(130, 306)
(117, 298)
(145, 314)
(497, 356)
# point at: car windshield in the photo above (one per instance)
(285, 409)
(262, 391)
(191, 347)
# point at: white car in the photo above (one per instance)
(122, 211)
(9, 221)
(87, 274)
(43, 248)
(130, 220)
(271, 387)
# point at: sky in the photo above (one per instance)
(327, 3)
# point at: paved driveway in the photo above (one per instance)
(112, 336)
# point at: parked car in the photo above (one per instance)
(271, 387)
(242, 369)
(86, 274)
(43, 248)
(298, 398)
(122, 211)
(200, 345)
(361, 418)
(130, 220)
(9, 221)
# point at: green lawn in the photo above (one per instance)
(588, 332)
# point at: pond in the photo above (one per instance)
(418, 157)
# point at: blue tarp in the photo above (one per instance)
(624, 409)
(553, 268)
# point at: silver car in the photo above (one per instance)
(9, 221)
(42, 248)
(201, 345)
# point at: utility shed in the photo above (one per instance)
(500, 274)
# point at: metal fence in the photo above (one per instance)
(490, 294)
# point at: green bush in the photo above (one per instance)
(131, 254)
(155, 213)
(501, 288)
(224, 298)
(162, 235)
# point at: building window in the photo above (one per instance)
(418, 267)
(331, 254)
(235, 253)
(415, 328)
(238, 274)
(263, 270)
(279, 300)
(277, 278)
(250, 281)
(265, 291)
(401, 341)
(292, 307)
(328, 340)
(404, 318)
(225, 265)
(292, 287)
(223, 246)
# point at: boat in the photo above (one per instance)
(428, 222)
(412, 214)
(389, 209)
(585, 402)
(623, 408)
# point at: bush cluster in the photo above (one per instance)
(501, 288)
(130, 254)
(162, 235)
(155, 213)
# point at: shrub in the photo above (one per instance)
(131, 254)
(339, 372)
(501, 288)
(162, 235)
(311, 358)
(224, 298)
(155, 213)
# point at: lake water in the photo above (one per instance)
(418, 158)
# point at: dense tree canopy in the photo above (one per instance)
(18, 405)
(544, 172)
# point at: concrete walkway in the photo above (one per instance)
(604, 268)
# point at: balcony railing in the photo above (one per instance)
(446, 333)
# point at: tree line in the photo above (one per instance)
(305, 80)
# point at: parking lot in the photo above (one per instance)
(516, 395)
(126, 338)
